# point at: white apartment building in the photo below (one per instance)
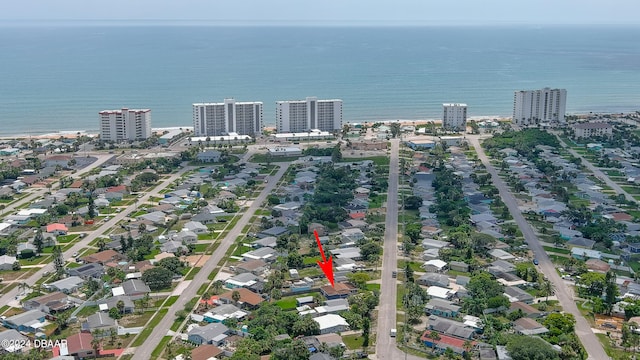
(531, 107)
(217, 119)
(454, 116)
(591, 129)
(125, 124)
(310, 114)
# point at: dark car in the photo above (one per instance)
(535, 261)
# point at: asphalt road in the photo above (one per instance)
(385, 344)
(84, 242)
(142, 352)
(598, 173)
(583, 329)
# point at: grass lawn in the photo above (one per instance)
(412, 264)
(556, 250)
(87, 310)
(171, 300)
(160, 348)
(287, 303)
(200, 248)
(135, 320)
(241, 250)
(67, 238)
(142, 337)
(373, 287)
(202, 289)
(353, 342)
(152, 255)
(614, 353)
(192, 273)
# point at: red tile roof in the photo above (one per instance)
(204, 352)
(445, 340)
(79, 342)
(246, 296)
(57, 227)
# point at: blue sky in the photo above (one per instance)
(437, 12)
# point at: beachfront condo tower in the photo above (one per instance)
(125, 124)
(454, 117)
(230, 116)
(532, 107)
(311, 114)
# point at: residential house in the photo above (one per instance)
(331, 323)
(214, 333)
(112, 302)
(80, 345)
(264, 253)
(347, 253)
(352, 235)
(334, 306)
(11, 341)
(516, 294)
(32, 321)
(174, 247)
(196, 227)
(269, 241)
(274, 231)
(501, 254)
(583, 254)
(527, 326)
(459, 266)
(244, 280)
(206, 352)
(450, 327)
(205, 217)
(48, 303)
(433, 279)
(248, 299)
(57, 229)
(434, 244)
(67, 285)
(444, 342)
(224, 312)
(435, 265)
(135, 288)
(87, 271)
(209, 156)
(340, 290)
(6, 262)
(99, 321)
(186, 237)
(255, 267)
(528, 310)
(442, 308)
(504, 266)
(581, 242)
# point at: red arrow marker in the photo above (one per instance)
(326, 266)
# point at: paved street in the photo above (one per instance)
(386, 345)
(161, 330)
(583, 329)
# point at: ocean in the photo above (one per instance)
(57, 77)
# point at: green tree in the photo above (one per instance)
(359, 279)
(157, 278)
(306, 326)
(172, 264)
(530, 348)
(294, 260)
(412, 202)
(58, 261)
(38, 241)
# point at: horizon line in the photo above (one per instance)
(306, 23)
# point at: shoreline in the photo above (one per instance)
(72, 134)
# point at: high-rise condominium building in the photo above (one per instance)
(531, 107)
(125, 124)
(310, 114)
(216, 119)
(454, 116)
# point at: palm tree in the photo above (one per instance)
(120, 306)
(547, 287)
(235, 296)
(434, 336)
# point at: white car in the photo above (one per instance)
(75, 254)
